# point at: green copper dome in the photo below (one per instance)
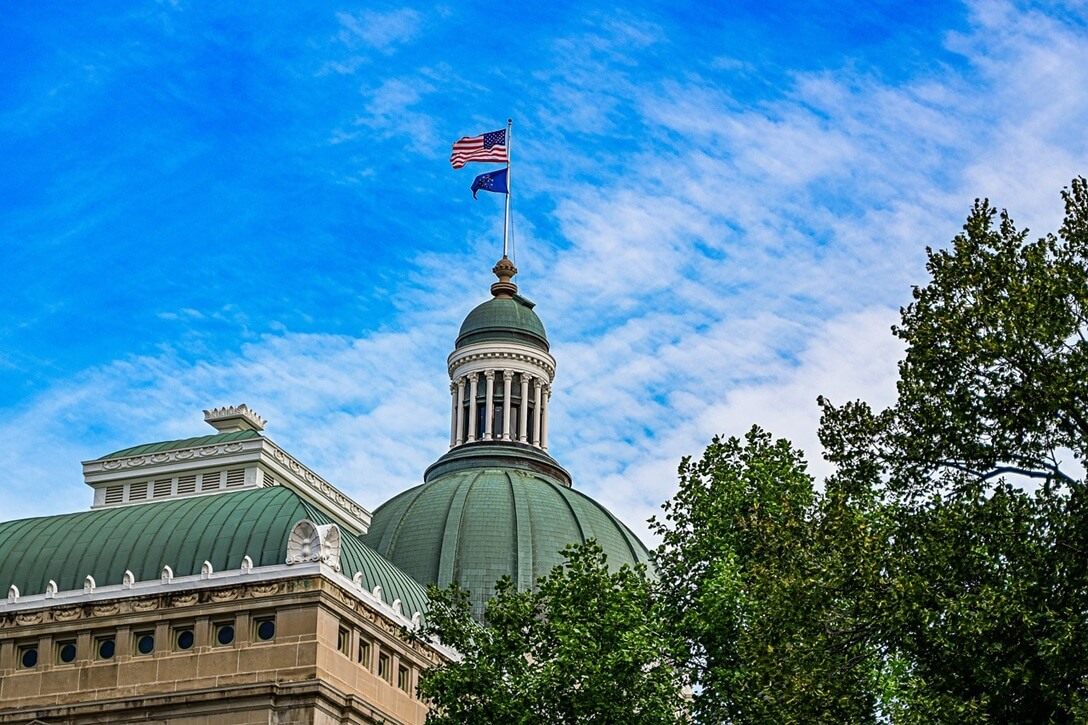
(476, 525)
(503, 319)
(182, 534)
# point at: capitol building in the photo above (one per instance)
(219, 579)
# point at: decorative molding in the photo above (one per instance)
(500, 351)
(356, 513)
(234, 418)
(13, 594)
(252, 453)
(221, 587)
(183, 454)
(309, 542)
(88, 584)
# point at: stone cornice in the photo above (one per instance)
(180, 459)
(285, 468)
(500, 352)
(189, 591)
(317, 489)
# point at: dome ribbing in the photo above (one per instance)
(475, 526)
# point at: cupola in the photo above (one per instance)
(501, 371)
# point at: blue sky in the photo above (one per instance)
(718, 209)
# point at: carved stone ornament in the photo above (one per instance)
(13, 594)
(67, 615)
(309, 542)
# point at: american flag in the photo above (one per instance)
(485, 147)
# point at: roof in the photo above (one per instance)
(475, 526)
(208, 440)
(503, 319)
(182, 533)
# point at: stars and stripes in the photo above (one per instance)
(489, 146)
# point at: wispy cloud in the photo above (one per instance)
(702, 262)
(383, 32)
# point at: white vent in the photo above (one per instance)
(267, 480)
(187, 484)
(115, 494)
(209, 481)
(236, 478)
(162, 487)
(137, 491)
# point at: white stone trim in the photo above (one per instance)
(251, 455)
(500, 355)
(309, 542)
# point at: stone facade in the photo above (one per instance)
(299, 647)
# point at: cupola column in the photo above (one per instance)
(507, 380)
(544, 418)
(460, 411)
(453, 414)
(473, 384)
(489, 405)
(537, 385)
(523, 421)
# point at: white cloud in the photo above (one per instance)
(381, 31)
(747, 260)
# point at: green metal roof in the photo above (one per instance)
(501, 319)
(182, 533)
(208, 440)
(475, 526)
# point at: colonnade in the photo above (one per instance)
(464, 392)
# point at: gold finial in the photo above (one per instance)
(504, 269)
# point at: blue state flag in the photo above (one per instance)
(491, 181)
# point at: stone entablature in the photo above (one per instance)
(169, 591)
(509, 355)
(212, 469)
(322, 625)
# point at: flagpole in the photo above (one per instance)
(506, 213)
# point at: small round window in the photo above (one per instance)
(145, 644)
(106, 648)
(224, 633)
(185, 639)
(266, 629)
(28, 657)
(67, 653)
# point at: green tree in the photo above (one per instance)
(979, 601)
(756, 566)
(587, 646)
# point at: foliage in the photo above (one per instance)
(754, 560)
(939, 575)
(980, 598)
(587, 646)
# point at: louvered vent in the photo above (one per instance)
(209, 481)
(267, 480)
(162, 487)
(115, 494)
(186, 484)
(236, 478)
(136, 491)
